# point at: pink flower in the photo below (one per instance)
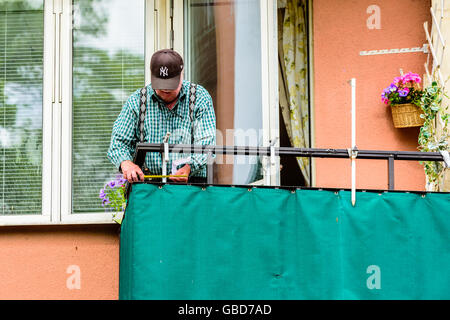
(411, 77)
(397, 80)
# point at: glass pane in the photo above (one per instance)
(108, 65)
(223, 54)
(21, 69)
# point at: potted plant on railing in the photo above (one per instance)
(113, 199)
(403, 95)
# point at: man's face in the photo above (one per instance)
(170, 95)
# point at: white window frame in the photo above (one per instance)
(63, 121)
(270, 95)
(311, 90)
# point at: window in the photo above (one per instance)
(108, 65)
(21, 87)
(68, 66)
(224, 53)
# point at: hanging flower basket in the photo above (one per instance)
(406, 115)
(403, 95)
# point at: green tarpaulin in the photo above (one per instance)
(217, 242)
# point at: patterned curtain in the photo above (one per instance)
(293, 55)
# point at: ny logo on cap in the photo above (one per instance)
(163, 72)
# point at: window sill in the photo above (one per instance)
(45, 220)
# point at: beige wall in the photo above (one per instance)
(445, 69)
(34, 260)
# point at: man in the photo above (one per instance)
(167, 111)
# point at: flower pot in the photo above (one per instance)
(406, 115)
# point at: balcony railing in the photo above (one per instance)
(143, 148)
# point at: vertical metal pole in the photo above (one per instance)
(353, 85)
(391, 173)
(273, 161)
(165, 159)
(269, 163)
(165, 156)
(210, 169)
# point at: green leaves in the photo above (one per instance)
(429, 139)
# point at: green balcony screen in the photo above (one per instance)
(188, 242)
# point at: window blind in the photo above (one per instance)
(21, 68)
(108, 66)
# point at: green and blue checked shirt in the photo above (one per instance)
(158, 121)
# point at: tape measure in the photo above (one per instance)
(165, 176)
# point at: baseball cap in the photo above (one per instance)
(166, 66)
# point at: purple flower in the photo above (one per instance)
(392, 88)
(112, 184)
(386, 92)
(102, 194)
(105, 202)
(404, 92)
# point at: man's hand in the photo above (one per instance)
(131, 172)
(185, 170)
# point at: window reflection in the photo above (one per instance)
(21, 65)
(108, 65)
(223, 54)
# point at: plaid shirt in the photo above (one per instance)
(158, 121)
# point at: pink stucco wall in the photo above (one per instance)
(340, 33)
(34, 260)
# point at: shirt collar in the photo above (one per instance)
(182, 92)
(182, 96)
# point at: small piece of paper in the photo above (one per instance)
(178, 162)
(446, 157)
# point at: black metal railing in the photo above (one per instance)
(390, 156)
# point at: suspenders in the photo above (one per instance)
(143, 109)
(192, 99)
